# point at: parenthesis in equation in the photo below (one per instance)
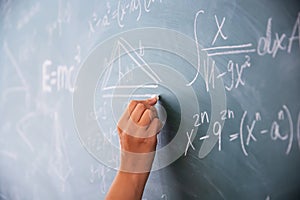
(241, 133)
(291, 128)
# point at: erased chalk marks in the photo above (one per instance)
(64, 15)
(99, 173)
(9, 154)
(59, 162)
(20, 129)
(77, 57)
(28, 15)
(23, 87)
(3, 197)
(23, 84)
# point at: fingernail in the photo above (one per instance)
(155, 96)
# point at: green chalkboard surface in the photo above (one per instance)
(227, 73)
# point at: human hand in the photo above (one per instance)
(138, 129)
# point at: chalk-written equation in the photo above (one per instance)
(59, 77)
(236, 71)
(269, 44)
(248, 131)
(120, 12)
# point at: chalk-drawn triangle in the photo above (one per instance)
(121, 48)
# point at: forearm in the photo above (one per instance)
(138, 128)
(128, 186)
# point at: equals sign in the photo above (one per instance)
(233, 136)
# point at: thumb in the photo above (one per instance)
(152, 101)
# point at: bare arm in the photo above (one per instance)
(138, 129)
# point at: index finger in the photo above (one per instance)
(148, 103)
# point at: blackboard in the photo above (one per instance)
(228, 77)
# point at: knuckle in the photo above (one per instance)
(132, 103)
(146, 118)
(147, 112)
(140, 106)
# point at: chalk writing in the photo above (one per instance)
(136, 56)
(248, 132)
(37, 146)
(235, 72)
(8, 154)
(267, 45)
(35, 163)
(57, 78)
(189, 143)
(77, 57)
(219, 32)
(28, 16)
(217, 130)
(229, 49)
(63, 17)
(59, 162)
(200, 118)
(21, 131)
(197, 46)
(209, 73)
(99, 172)
(122, 10)
(2, 196)
(294, 37)
(227, 114)
(233, 69)
(23, 86)
(274, 130)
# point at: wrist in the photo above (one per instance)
(136, 180)
(136, 163)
